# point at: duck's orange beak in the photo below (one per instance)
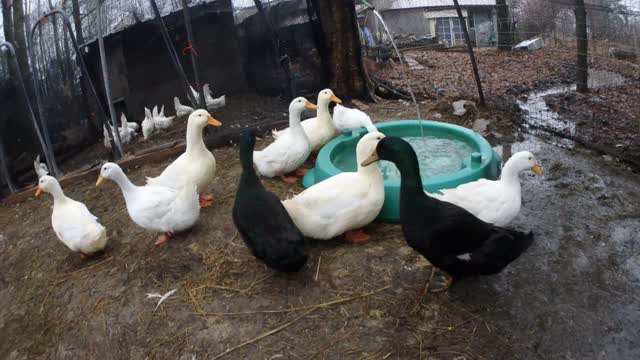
(38, 192)
(311, 106)
(213, 122)
(536, 169)
(335, 99)
(100, 180)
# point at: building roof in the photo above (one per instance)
(411, 4)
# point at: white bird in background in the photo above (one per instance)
(131, 125)
(211, 102)
(181, 110)
(345, 118)
(127, 130)
(126, 134)
(41, 168)
(154, 113)
(163, 122)
(195, 94)
(148, 126)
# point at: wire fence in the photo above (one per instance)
(537, 74)
(252, 60)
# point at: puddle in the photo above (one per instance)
(536, 113)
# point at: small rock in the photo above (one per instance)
(607, 158)
(480, 126)
(376, 314)
(437, 116)
(459, 107)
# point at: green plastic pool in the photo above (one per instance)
(339, 155)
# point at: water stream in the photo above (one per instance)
(403, 69)
(538, 115)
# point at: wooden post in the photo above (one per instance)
(582, 65)
(463, 24)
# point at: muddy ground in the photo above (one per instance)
(574, 295)
(616, 110)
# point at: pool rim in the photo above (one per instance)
(486, 162)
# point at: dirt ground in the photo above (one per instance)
(573, 295)
(435, 74)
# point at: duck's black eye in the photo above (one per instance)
(530, 158)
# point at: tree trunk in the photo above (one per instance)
(339, 47)
(504, 28)
(582, 65)
(21, 40)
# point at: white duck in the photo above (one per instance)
(181, 110)
(289, 151)
(126, 129)
(156, 208)
(72, 222)
(211, 102)
(320, 129)
(163, 122)
(132, 125)
(343, 203)
(125, 135)
(197, 165)
(494, 201)
(352, 119)
(148, 126)
(41, 168)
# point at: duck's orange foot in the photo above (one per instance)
(289, 179)
(163, 238)
(206, 200)
(356, 236)
(85, 256)
(440, 282)
(302, 171)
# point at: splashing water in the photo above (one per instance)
(436, 156)
(404, 71)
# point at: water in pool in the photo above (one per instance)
(437, 156)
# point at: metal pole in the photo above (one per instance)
(172, 52)
(107, 85)
(463, 24)
(194, 63)
(48, 151)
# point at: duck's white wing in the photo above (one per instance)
(75, 225)
(172, 176)
(150, 205)
(486, 199)
(307, 125)
(328, 201)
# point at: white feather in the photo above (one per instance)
(162, 297)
